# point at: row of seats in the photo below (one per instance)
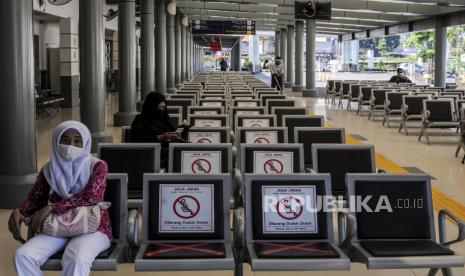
(433, 107)
(186, 217)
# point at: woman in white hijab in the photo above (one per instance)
(73, 178)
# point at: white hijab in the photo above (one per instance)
(69, 177)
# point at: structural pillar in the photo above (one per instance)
(161, 46)
(277, 44)
(195, 59)
(127, 63)
(178, 50)
(18, 158)
(189, 53)
(92, 84)
(170, 54)
(299, 57)
(283, 51)
(183, 53)
(147, 49)
(290, 57)
(440, 56)
(310, 90)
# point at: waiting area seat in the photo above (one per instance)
(133, 159)
(340, 159)
(293, 121)
(307, 136)
(108, 260)
(393, 106)
(210, 135)
(290, 234)
(438, 114)
(401, 234)
(186, 223)
(412, 110)
(200, 158)
(262, 135)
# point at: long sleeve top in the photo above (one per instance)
(93, 194)
(276, 69)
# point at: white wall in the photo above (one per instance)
(72, 10)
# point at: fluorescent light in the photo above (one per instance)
(348, 24)
(379, 12)
(364, 19)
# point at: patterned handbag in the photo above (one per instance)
(75, 222)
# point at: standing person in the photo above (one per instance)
(277, 73)
(400, 77)
(223, 65)
(72, 179)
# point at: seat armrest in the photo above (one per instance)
(447, 214)
(232, 137)
(387, 103)
(238, 224)
(425, 114)
(347, 228)
(404, 109)
(132, 228)
(237, 182)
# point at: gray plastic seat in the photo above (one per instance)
(199, 205)
(438, 114)
(401, 235)
(291, 235)
(108, 260)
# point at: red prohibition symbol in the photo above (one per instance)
(186, 207)
(204, 141)
(201, 166)
(261, 140)
(273, 166)
(287, 212)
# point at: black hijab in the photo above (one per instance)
(154, 116)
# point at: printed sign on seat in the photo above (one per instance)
(185, 223)
(286, 229)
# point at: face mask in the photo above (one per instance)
(69, 152)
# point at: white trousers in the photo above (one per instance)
(77, 259)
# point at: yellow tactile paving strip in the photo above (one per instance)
(440, 200)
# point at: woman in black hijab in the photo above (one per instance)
(153, 125)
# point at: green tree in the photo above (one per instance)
(382, 47)
(423, 41)
(456, 40)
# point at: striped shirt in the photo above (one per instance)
(276, 69)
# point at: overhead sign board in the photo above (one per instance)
(224, 27)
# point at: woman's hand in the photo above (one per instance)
(37, 219)
(167, 135)
(14, 225)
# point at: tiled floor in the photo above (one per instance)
(436, 159)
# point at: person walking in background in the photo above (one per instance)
(277, 73)
(223, 65)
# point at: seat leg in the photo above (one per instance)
(433, 271)
(458, 149)
(401, 125)
(426, 136)
(446, 271)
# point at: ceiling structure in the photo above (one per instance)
(348, 16)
